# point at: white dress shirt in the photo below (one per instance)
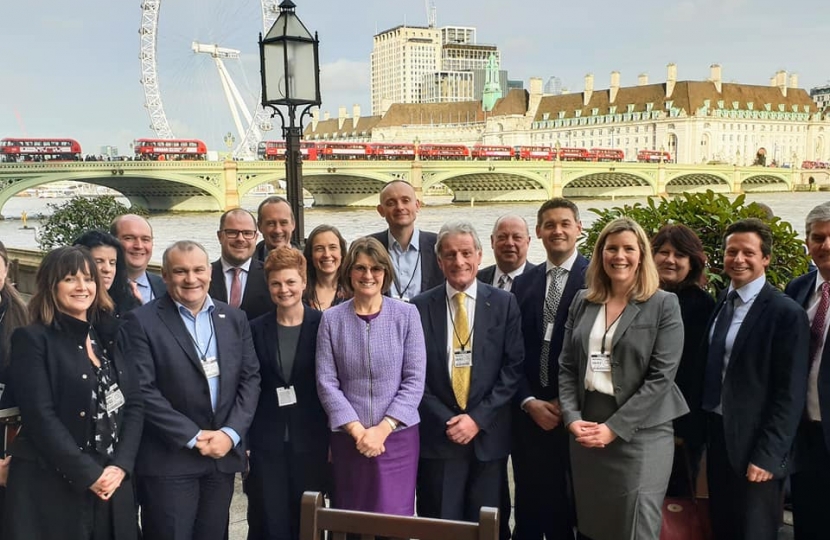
(470, 303)
(813, 409)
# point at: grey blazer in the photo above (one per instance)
(647, 347)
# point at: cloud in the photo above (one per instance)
(344, 76)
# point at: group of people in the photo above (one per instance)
(398, 377)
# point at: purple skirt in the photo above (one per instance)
(384, 484)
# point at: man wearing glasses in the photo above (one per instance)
(237, 278)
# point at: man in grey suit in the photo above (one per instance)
(510, 241)
(136, 237)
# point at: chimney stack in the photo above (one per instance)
(615, 86)
(315, 119)
(642, 79)
(715, 75)
(794, 80)
(535, 95)
(589, 89)
(355, 115)
(781, 81)
(671, 79)
(326, 116)
(341, 118)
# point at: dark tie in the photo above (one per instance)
(817, 327)
(713, 379)
(548, 318)
(236, 288)
(504, 279)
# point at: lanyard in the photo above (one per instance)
(202, 354)
(397, 286)
(455, 331)
(607, 329)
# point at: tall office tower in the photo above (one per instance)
(554, 86)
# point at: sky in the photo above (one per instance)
(71, 69)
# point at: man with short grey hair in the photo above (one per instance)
(199, 377)
(811, 452)
(465, 420)
(510, 241)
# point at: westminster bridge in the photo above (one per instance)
(218, 185)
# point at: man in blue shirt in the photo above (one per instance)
(199, 376)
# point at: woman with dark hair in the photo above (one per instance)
(109, 258)
(371, 366)
(288, 439)
(81, 407)
(324, 251)
(681, 261)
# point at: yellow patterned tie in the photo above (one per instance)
(461, 375)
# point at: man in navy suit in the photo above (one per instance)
(754, 386)
(237, 277)
(810, 480)
(136, 237)
(411, 249)
(199, 376)
(474, 356)
(544, 506)
(275, 220)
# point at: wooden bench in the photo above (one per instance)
(316, 519)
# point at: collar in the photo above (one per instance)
(566, 265)
(512, 275)
(246, 266)
(751, 289)
(207, 306)
(819, 281)
(414, 242)
(143, 280)
(471, 291)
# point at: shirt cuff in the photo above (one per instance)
(192, 442)
(232, 434)
(524, 402)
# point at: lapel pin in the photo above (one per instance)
(221, 315)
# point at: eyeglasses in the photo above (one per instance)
(360, 269)
(234, 233)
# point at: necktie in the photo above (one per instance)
(713, 376)
(504, 279)
(817, 327)
(548, 318)
(235, 299)
(461, 335)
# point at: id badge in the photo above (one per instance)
(115, 399)
(211, 367)
(601, 363)
(286, 396)
(461, 359)
(549, 332)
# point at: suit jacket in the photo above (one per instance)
(765, 384)
(256, 299)
(157, 285)
(801, 289)
(306, 421)
(431, 275)
(487, 274)
(530, 289)
(647, 347)
(176, 393)
(497, 359)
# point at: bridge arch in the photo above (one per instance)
(765, 182)
(698, 182)
(492, 185)
(609, 183)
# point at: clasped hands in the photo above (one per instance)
(369, 441)
(546, 414)
(214, 444)
(461, 429)
(592, 434)
(108, 482)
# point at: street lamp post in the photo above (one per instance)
(229, 142)
(290, 70)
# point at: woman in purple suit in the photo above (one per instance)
(371, 364)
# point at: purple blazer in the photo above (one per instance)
(366, 371)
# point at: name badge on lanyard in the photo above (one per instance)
(462, 359)
(286, 396)
(211, 366)
(601, 362)
(115, 399)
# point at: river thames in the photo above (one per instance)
(356, 222)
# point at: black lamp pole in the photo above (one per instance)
(290, 69)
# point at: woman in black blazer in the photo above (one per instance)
(81, 407)
(289, 438)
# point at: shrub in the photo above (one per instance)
(709, 214)
(77, 216)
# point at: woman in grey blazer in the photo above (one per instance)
(623, 344)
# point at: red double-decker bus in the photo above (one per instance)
(275, 150)
(169, 149)
(544, 153)
(481, 151)
(573, 154)
(15, 150)
(607, 154)
(392, 151)
(443, 151)
(342, 150)
(653, 156)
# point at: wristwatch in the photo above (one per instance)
(392, 423)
